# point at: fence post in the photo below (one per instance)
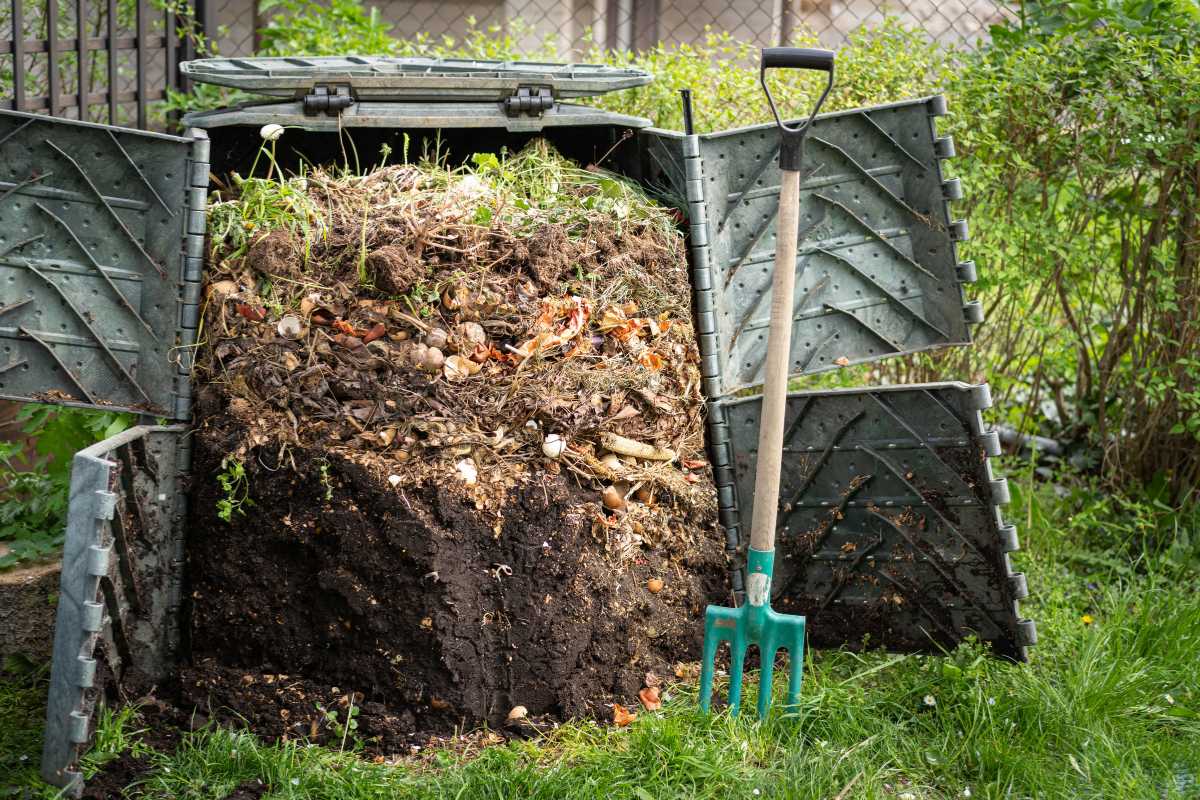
(206, 19)
(52, 64)
(18, 49)
(85, 58)
(645, 24)
(113, 74)
(141, 61)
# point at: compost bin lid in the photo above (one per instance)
(411, 79)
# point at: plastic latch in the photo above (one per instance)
(529, 101)
(328, 99)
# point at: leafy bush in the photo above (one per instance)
(875, 65)
(1079, 150)
(1166, 20)
(34, 493)
(337, 27)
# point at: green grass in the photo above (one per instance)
(1109, 708)
(22, 709)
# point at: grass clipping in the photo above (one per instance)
(517, 313)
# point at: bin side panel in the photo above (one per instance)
(889, 531)
(876, 267)
(121, 585)
(92, 225)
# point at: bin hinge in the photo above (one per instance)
(328, 98)
(529, 101)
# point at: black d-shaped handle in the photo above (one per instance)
(797, 58)
(791, 143)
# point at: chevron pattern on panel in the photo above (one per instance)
(889, 533)
(91, 251)
(877, 271)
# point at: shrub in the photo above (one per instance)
(1080, 154)
(876, 65)
(33, 494)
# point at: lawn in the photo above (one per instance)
(1107, 707)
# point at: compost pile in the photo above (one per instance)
(449, 457)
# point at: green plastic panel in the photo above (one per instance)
(877, 270)
(121, 586)
(889, 531)
(94, 229)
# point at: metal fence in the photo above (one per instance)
(574, 26)
(111, 60)
(95, 60)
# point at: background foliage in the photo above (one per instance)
(34, 487)
(1082, 158)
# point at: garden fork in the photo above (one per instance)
(756, 622)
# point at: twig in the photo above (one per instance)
(846, 789)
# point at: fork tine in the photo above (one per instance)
(707, 665)
(737, 656)
(767, 651)
(795, 666)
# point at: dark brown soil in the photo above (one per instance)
(394, 268)
(27, 606)
(113, 778)
(420, 609)
(250, 790)
(279, 252)
(160, 724)
(550, 254)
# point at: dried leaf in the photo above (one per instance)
(549, 333)
(652, 680)
(348, 329)
(687, 671)
(252, 313)
(457, 368)
(650, 698)
(222, 289)
(650, 360)
(626, 412)
(622, 716)
(377, 332)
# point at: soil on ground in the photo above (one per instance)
(28, 599)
